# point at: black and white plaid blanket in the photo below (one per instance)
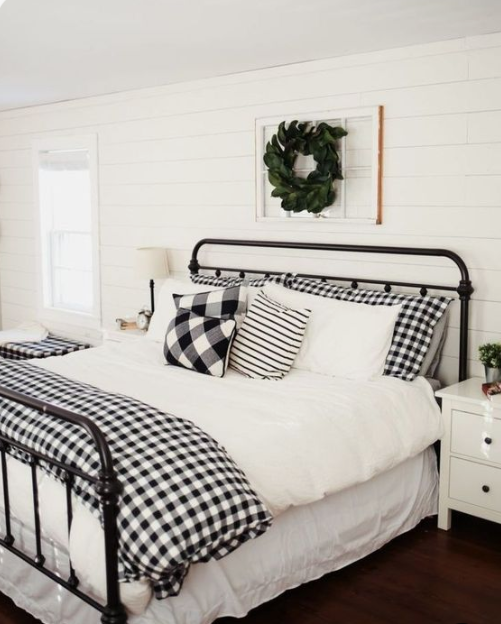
(184, 499)
(52, 345)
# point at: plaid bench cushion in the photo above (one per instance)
(52, 345)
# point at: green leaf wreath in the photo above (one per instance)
(316, 191)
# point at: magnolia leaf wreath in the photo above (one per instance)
(316, 191)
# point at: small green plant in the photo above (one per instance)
(490, 354)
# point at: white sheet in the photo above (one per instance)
(298, 440)
(304, 543)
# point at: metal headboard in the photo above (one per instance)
(463, 288)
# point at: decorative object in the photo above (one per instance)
(316, 191)
(269, 339)
(151, 263)
(199, 343)
(143, 319)
(490, 356)
(124, 324)
(325, 168)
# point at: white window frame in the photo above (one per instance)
(48, 313)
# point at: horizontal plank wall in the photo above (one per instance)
(176, 164)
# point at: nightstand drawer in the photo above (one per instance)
(474, 436)
(475, 484)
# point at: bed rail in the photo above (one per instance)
(108, 489)
(463, 288)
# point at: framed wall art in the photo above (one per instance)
(320, 167)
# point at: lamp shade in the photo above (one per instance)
(151, 262)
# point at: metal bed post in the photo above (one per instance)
(465, 290)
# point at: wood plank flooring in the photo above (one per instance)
(424, 577)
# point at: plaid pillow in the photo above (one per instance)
(414, 327)
(199, 343)
(224, 303)
(233, 280)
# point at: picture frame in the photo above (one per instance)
(359, 194)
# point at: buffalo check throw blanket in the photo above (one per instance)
(184, 499)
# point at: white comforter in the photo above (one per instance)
(297, 440)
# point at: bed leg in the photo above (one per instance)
(114, 616)
(108, 488)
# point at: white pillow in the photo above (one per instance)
(342, 338)
(165, 308)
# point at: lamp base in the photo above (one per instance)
(152, 295)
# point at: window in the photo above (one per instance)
(68, 227)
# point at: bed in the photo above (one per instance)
(300, 473)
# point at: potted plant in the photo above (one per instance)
(490, 356)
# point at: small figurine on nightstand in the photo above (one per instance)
(143, 319)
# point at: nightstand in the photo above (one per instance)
(470, 455)
(122, 335)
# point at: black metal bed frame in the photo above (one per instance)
(106, 482)
(464, 288)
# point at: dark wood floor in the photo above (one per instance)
(424, 577)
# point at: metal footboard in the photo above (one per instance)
(107, 487)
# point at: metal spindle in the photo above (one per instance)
(39, 559)
(109, 490)
(9, 538)
(68, 479)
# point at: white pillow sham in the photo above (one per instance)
(342, 338)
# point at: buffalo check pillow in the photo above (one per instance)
(224, 303)
(269, 339)
(199, 343)
(413, 329)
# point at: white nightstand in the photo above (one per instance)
(122, 335)
(470, 455)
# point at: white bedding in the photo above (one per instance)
(298, 440)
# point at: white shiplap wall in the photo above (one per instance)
(176, 164)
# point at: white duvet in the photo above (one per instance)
(298, 439)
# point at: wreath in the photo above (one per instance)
(316, 191)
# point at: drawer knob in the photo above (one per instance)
(488, 440)
(486, 488)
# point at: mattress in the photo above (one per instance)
(305, 543)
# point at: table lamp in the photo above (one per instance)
(151, 263)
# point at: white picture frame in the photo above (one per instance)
(359, 195)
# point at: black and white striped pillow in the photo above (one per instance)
(269, 339)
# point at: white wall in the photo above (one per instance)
(177, 163)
